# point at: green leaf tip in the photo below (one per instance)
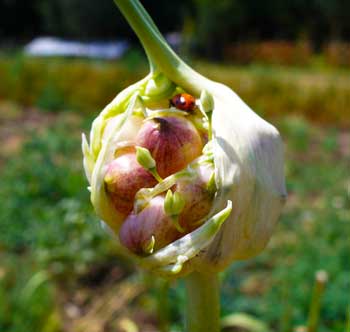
(174, 203)
(149, 246)
(206, 101)
(145, 159)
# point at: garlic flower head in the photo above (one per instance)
(180, 168)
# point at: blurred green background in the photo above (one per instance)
(61, 271)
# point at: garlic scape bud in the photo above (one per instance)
(180, 168)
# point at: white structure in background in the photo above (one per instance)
(50, 46)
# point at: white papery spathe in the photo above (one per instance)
(248, 158)
(248, 154)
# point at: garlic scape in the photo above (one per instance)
(211, 193)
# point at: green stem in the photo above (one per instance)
(315, 305)
(158, 51)
(163, 286)
(347, 324)
(203, 303)
(144, 27)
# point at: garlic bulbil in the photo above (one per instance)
(203, 182)
(149, 230)
(172, 140)
(124, 178)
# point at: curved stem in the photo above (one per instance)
(203, 302)
(158, 51)
(144, 27)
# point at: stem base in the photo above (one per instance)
(203, 302)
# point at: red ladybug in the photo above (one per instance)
(184, 102)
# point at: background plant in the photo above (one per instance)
(46, 225)
(59, 270)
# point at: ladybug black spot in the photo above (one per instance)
(184, 102)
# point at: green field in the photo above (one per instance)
(318, 93)
(60, 271)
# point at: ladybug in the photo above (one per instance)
(184, 102)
